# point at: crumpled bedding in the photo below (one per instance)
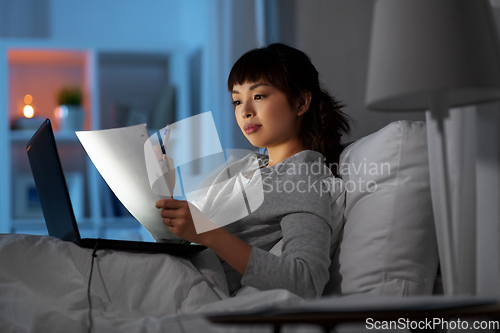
(43, 288)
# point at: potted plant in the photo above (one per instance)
(70, 96)
(70, 112)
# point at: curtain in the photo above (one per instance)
(469, 238)
(488, 199)
(452, 149)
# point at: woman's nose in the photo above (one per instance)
(247, 111)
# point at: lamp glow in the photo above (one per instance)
(28, 111)
(28, 99)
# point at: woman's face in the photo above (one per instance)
(264, 115)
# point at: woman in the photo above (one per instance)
(280, 106)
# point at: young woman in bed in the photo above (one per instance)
(279, 105)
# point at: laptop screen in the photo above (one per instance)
(51, 185)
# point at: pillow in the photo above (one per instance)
(388, 244)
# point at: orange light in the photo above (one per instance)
(28, 99)
(28, 111)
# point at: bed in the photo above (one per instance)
(387, 247)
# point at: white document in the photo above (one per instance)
(125, 157)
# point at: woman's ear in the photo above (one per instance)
(303, 102)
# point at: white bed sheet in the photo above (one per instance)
(43, 288)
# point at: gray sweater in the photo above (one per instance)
(297, 208)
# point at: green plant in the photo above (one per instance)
(69, 96)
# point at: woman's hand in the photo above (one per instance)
(176, 215)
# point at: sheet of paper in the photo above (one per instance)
(127, 161)
(120, 155)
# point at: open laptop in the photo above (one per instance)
(56, 204)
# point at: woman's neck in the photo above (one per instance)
(279, 154)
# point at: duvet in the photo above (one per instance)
(44, 287)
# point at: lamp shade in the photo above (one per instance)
(420, 48)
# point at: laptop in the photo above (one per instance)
(57, 208)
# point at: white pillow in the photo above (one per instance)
(388, 245)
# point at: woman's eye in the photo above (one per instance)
(236, 103)
(259, 96)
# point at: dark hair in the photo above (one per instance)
(292, 72)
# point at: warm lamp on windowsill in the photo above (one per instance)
(28, 121)
(434, 55)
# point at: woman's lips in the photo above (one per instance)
(252, 129)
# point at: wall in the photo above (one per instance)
(24, 18)
(336, 36)
(115, 22)
(334, 33)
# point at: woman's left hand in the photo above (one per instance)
(177, 217)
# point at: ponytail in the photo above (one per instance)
(323, 126)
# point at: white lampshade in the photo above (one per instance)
(420, 48)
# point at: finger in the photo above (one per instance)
(169, 213)
(167, 222)
(163, 203)
(170, 203)
(158, 152)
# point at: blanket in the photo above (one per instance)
(44, 287)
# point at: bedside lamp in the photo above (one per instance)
(433, 55)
